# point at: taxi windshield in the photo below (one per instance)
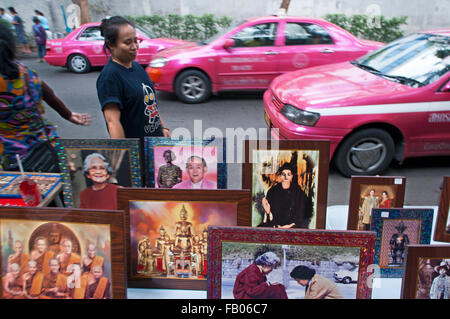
(416, 60)
(220, 33)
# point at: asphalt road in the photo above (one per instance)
(226, 111)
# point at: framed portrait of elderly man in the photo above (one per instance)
(427, 272)
(369, 192)
(61, 253)
(274, 263)
(396, 229)
(442, 228)
(288, 181)
(93, 169)
(185, 164)
(167, 232)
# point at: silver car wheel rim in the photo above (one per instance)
(78, 63)
(193, 87)
(366, 155)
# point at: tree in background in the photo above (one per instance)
(84, 10)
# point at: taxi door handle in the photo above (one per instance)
(271, 53)
(327, 51)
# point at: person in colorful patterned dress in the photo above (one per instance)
(22, 124)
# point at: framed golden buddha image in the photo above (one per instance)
(54, 253)
(168, 233)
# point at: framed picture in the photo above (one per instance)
(335, 262)
(185, 164)
(427, 272)
(288, 181)
(93, 169)
(397, 228)
(442, 228)
(368, 192)
(167, 233)
(61, 253)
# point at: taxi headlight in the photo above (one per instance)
(298, 116)
(158, 62)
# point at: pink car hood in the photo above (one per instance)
(185, 46)
(163, 43)
(340, 84)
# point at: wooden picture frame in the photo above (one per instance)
(154, 218)
(359, 209)
(442, 228)
(123, 168)
(391, 226)
(423, 264)
(260, 173)
(250, 242)
(213, 151)
(48, 229)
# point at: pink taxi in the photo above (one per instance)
(393, 103)
(83, 48)
(251, 55)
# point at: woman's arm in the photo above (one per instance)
(111, 112)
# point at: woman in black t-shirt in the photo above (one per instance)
(125, 91)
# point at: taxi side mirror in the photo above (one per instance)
(229, 43)
(446, 87)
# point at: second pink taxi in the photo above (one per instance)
(83, 48)
(392, 103)
(251, 55)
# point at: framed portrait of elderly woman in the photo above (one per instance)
(185, 164)
(396, 229)
(93, 169)
(167, 232)
(62, 253)
(289, 182)
(298, 263)
(427, 272)
(442, 228)
(369, 192)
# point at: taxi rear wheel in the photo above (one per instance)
(365, 152)
(192, 86)
(78, 63)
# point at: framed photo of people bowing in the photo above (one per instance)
(427, 272)
(93, 169)
(167, 232)
(289, 181)
(62, 253)
(442, 228)
(275, 263)
(396, 229)
(185, 164)
(368, 192)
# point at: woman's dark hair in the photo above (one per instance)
(12, 10)
(8, 67)
(36, 20)
(109, 29)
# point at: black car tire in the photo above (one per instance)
(365, 152)
(78, 63)
(347, 280)
(192, 86)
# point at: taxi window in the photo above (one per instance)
(91, 34)
(305, 34)
(258, 35)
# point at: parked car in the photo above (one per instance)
(83, 48)
(251, 55)
(393, 103)
(346, 276)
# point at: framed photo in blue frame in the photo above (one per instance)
(185, 164)
(397, 228)
(93, 169)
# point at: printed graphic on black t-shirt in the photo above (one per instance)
(151, 109)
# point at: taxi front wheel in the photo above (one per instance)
(365, 152)
(192, 86)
